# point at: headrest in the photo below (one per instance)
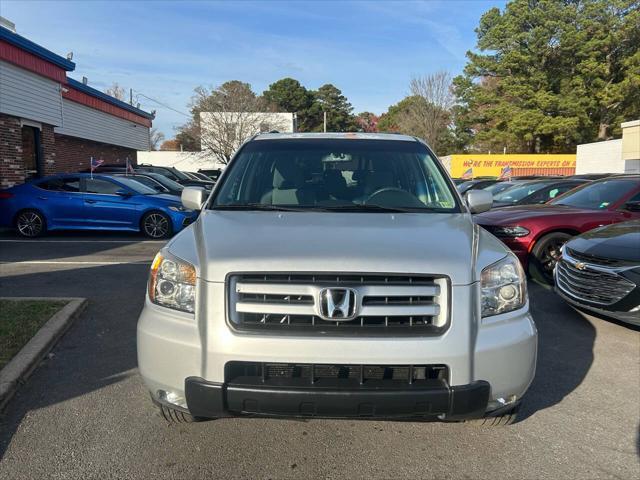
(286, 174)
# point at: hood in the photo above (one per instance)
(232, 241)
(620, 241)
(165, 199)
(524, 212)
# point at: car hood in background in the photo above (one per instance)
(404, 243)
(514, 214)
(620, 241)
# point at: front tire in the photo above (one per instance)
(172, 415)
(156, 225)
(30, 223)
(505, 418)
(545, 255)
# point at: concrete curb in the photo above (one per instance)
(16, 372)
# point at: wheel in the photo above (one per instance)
(502, 420)
(545, 255)
(156, 225)
(30, 223)
(174, 416)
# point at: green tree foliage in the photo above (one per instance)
(330, 99)
(551, 74)
(288, 95)
(367, 122)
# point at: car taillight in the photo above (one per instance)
(4, 195)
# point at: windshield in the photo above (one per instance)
(500, 187)
(166, 182)
(179, 174)
(517, 193)
(598, 195)
(136, 186)
(340, 174)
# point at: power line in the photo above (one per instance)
(138, 94)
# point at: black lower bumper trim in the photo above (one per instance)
(213, 400)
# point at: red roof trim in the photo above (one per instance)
(12, 54)
(97, 104)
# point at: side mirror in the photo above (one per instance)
(192, 198)
(123, 193)
(479, 201)
(632, 206)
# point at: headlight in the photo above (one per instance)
(510, 231)
(503, 286)
(177, 208)
(172, 283)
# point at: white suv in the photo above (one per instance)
(336, 275)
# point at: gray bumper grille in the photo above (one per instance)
(384, 304)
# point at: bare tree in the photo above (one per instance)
(155, 138)
(428, 115)
(116, 91)
(224, 117)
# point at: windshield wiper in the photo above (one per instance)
(368, 208)
(257, 206)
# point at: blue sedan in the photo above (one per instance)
(81, 202)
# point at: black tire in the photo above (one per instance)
(30, 223)
(156, 225)
(502, 420)
(544, 256)
(175, 416)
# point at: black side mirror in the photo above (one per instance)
(632, 206)
(123, 193)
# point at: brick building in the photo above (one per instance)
(50, 123)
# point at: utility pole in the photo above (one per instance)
(325, 122)
(131, 96)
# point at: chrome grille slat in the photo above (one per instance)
(385, 303)
(600, 285)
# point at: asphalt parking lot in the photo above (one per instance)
(85, 413)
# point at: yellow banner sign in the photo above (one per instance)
(481, 165)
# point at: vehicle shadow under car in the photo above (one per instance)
(100, 349)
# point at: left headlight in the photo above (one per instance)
(172, 283)
(177, 208)
(504, 287)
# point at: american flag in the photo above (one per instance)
(95, 163)
(129, 166)
(506, 172)
(468, 174)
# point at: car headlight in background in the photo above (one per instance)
(516, 231)
(503, 286)
(178, 208)
(172, 283)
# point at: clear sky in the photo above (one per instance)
(370, 50)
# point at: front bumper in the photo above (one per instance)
(630, 317)
(213, 400)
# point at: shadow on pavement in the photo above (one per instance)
(565, 350)
(98, 350)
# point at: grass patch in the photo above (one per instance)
(20, 320)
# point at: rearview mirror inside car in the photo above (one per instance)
(479, 201)
(192, 198)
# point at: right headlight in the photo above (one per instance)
(504, 287)
(172, 283)
(516, 231)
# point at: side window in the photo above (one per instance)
(54, 185)
(95, 185)
(71, 184)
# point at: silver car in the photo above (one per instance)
(336, 275)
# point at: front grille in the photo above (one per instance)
(301, 374)
(597, 285)
(384, 304)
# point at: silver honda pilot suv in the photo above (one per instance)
(336, 275)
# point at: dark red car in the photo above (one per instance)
(536, 233)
